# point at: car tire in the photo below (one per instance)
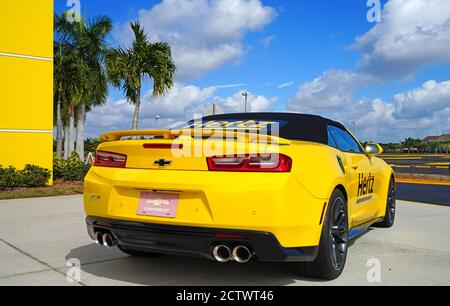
(330, 261)
(389, 217)
(138, 253)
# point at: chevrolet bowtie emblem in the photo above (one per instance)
(162, 162)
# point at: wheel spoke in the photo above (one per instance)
(338, 255)
(334, 254)
(341, 218)
(336, 215)
(338, 229)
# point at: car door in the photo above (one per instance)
(361, 180)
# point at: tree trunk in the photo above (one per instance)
(81, 117)
(137, 108)
(66, 140)
(59, 127)
(71, 130)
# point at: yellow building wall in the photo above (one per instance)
(26, 83)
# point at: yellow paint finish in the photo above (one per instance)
(26, 84)
(288, 205)
(20, 149)
(416, 155)
(26, 27)
(26, 93)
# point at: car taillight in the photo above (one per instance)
(251, 163)
(108, 159)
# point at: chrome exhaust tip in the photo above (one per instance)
(98, 238)
(108, 241)
(222, 253)
(242, 254)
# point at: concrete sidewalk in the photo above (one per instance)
(39, 236)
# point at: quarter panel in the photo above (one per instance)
(317, 168)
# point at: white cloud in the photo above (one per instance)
(412, 34)
(287, 84)
(177, 103)
(229, 86)
(255, 103)
(204, 34)
(415, 113)
(181, 103)
(329, 92)
(267, 41)
(423, 101)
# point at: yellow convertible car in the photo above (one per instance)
(270, 186)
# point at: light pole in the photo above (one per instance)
(354, 127)
(157, 121)
(245, 95)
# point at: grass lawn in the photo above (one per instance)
(59, 188)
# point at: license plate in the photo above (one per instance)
(158, 204)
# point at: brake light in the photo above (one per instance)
(163, 146)
(251, 163)
(108, 159)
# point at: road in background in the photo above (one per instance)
(420, 164)
(432, 194)
(418, 190)
(422, 171)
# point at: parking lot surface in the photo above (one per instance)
(420, 164)
(39, 236)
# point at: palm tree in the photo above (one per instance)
(87, 39)
(408, 143)
(58, 81)
(127, 67)
(68, 85)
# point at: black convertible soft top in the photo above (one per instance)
(292, 126)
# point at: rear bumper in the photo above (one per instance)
(273, 203)
(194, 241)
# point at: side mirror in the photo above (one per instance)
(373, 149)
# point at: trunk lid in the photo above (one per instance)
(184, 150)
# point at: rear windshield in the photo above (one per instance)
(249, 126)
(285, 125)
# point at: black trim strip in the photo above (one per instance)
(365, 199)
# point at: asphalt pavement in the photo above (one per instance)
(431, 194)
(39, 236)
(420, 164)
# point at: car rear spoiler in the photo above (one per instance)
(173, 134)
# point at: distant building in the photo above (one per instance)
(437, 139)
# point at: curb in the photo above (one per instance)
(422, 182)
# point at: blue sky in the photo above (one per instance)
(309, 47)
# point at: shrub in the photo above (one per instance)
(30, 176)
(91, 144)
(73, 169)
(33, 176)
(58, 167)
(8, 177)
